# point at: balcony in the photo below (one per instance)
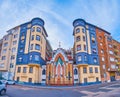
(31, 64)
(115, 50)
(118, 69)
(116, 56)
(118, 63)
(81, 65)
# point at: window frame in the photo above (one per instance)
(84, 69)
(37, 37)
(37, 47)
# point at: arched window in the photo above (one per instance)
(38, 29)
(75, 71)
(77, 30)
(77, 38)
(43, 72)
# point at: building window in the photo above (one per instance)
(103, 59)
(116, 60)
(101, 44)
(32, 29)
(94, 51)
(2, 65)
(110, 45)
(102, 51)
(23, 35)
(77, 38)
(109, 38)
(22, 40)
(77, 30)
(69, 75)
(38, 29)
(30, 80)
(104, 67)
(100, 37)
(16, 35)
(3, 57)
(84, 70)
(118, 73)
(14, 42)
(6, 38)
(13, 49)
(30, 57)
(31, 47)
(4, 50)
(36, 58)
(43, 79)
(111, 59)
(18, 79)
(19, 70)
(85, 58)
(90, 69)
(32, 37)
(96, 70)
(83, 30)
(49, 76)
(20, 59)
(31, 70)
(11, 65)
(75, 71)
(5, 44)
(79, 58)
(85, 80)
(43, 72)
(37, 46)
(93, 38)
(38, 37)
(21, 49)
(84, 47)
(110, 52)
(78, 47)
(83, 38)
(113, 66)
(95, 60)
(97, 79)
(12, 57)
(24, 69)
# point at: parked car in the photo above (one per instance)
(10, 82)
(3, 81)
(3, 88)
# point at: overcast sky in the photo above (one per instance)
(59, 16)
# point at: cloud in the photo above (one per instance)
(59, 16)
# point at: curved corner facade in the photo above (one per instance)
(86, 52)
(31, 51)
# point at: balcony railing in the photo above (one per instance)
(118, 63)
(116, 50)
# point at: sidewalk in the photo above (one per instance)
(68, 87)
(4, 96)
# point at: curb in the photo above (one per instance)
(4, 96)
